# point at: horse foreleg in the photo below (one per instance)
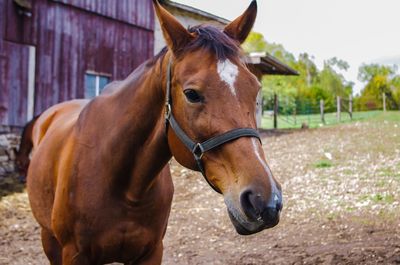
(51, 247)
(153, 258)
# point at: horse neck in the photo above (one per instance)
(131, 131)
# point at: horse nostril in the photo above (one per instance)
(251, 204)
(256, 208)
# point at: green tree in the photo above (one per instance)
(340, 64)
(309, 87)
(306, 67)
(367, 72)
(380, 80)
(255, 42)
(395, 88)
(332, 80)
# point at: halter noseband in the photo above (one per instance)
(198, 149)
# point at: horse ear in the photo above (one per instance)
(176, 36)
(240, 28)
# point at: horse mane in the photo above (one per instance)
(210, 38)
(214, 40)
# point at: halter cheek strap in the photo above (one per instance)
(199, 148)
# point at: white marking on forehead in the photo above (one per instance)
(274, 189)
(228, 73)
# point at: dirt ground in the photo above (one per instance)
(341, 206)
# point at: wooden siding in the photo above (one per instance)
(2, 19)
(18, 28)
(134, 12)
(14, 60)
(70, 41)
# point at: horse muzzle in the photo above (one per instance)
(254, 213)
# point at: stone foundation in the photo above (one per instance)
(9, 143)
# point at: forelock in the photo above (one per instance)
(214, 41)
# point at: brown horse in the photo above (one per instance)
(99, 182)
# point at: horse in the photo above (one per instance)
(99, 183)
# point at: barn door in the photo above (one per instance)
(17, 72)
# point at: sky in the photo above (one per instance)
(357, 31)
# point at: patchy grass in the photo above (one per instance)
(390, 172)
(362, 177)
(389, 198)
(377, 198)
(389, 116)
(323, 164)
(314, 120)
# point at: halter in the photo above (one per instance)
(198, 149)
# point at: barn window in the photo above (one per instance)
(94, 84)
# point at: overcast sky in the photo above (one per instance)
(357, 31)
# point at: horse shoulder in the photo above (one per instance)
(65, 110)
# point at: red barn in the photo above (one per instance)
(56, 50)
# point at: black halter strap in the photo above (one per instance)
(198, 149)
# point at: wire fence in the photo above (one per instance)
(311, 114)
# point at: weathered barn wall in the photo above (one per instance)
(18, 28)
(68, 38)
(13, 83)
(2, 20)
(134, 12)
(72, 41)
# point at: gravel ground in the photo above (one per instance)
(341, 190)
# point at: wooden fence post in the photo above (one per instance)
(262, 106)
(338, 108)
(259, 109)
(275, 111)
(321, 107)
(384, 101)
(351, 106)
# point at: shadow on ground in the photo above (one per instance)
(10, 184)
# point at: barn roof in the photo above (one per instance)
(195, 11)
(269, 65)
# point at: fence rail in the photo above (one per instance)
(283, 113)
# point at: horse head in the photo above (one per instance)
(212, 92)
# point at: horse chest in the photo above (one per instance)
(125, 242)
(122, 236)
(119, 232)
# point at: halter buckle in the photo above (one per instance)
(198, 151)
(167, 111)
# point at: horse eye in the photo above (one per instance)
(192, 96)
